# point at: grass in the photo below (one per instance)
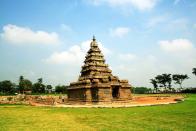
(174, 117)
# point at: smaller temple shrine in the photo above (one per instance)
(96, 82)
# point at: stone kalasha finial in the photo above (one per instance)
(93, 43)
(94, 38)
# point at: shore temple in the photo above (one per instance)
(96, 82)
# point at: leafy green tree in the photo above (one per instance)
(1, 87)
(141, 90)
(61, 89)
(194, 71)
(49, 88)
(6, 87)
(154, 83)
(38, 87)
(179, 78)
(24, 84)
(21, 78)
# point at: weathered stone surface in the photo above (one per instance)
(32, 99)
(96, 82)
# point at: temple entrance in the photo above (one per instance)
(94, 94)
(115, 92)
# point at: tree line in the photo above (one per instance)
(25, 86)
(164, 81)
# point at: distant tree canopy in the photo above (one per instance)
(179, 78)
(141, 90)
(38, 87)
(189, 90)
(159, 82)
(49, 87)
(194, 71)
(61, 89)
(7, 87)
(24, 84)
(155, 84)
(165, 81)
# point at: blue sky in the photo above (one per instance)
(139, 38)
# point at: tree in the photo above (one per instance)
(169, 81)
(6, 87)
(38, 87)
(141, 90)
(21, 78)
(24, 84)
(164, 80)
(155, 85)
(61, 89)
(179, 78)
(49, 88)
(40, 80)
(194, 71)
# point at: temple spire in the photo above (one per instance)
(93, 43)
(94, 38)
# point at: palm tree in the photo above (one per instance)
(168, 80)
(164, 80)
(21, 78)
(155, 85)
(194, 71)
(40, 80)
(178, 78)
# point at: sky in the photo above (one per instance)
(139, 38)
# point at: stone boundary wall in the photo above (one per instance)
(31, 99)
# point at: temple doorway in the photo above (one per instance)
(94, 94)
(115, 92)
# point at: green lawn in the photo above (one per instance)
(179, 117)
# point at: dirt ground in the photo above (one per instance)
(136, 101)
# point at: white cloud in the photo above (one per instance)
(66, 27)
(138, 4)
(24, 35)
(178, 24)
(119, 32)
(75, 55)
(168, 24)
(139, 71)
(156, 20)
(127, 57)
(145, 67)
(177, 45)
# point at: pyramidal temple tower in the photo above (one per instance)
(96, 82)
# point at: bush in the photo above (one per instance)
(61, 89)
(189, 90)
(141, 90)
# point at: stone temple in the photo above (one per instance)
(96, 82)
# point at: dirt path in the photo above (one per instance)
(137, 101)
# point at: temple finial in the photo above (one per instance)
(94, 38)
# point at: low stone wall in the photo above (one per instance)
(19, 99)
(33, 99)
